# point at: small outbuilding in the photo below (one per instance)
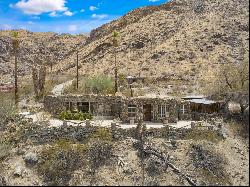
(199, 104)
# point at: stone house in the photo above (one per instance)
(153, 109)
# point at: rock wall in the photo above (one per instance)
(116, 106)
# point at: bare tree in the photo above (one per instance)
(231, 77)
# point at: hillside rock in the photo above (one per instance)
(188, 38)
(36, 48)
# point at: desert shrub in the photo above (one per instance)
(7, 109)
(59, 161)
(68, 115)
(102, 134)
(209, 163)
(202, 134)
(4, 150)
(101, 84)
(154, 167)
(99, 152)
(26, 89)
(240, 129)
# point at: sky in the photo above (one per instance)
(64, 16)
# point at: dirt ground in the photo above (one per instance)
(128, 170)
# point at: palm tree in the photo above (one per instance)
(115, 44)
(15, 43)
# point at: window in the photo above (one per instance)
(83, 107)
(183, 109)
(162, 110)
(131, 110)
(68, 106)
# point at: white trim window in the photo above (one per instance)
(131, 110)
(183, 109)
(162, 111)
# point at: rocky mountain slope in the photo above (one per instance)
(181, 40)
(35, 48)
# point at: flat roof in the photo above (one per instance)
(202, 101)
(194, 97)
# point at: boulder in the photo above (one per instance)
(31, 158)
(234, 108)
(18, 171)
(2, 181)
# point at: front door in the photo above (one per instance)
(147, 115)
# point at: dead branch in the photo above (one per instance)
(149, 150)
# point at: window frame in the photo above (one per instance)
(183, 109)
(132, 114)
(161, 113)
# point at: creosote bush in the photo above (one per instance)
(102, 134)
(59, 161)
(209, 163)
(202, 134)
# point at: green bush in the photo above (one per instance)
(101, 84)
(68, 115)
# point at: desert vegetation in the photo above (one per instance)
(68, 115)
(168, 51)
(101, 84)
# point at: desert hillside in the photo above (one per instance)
(35, 48)
(182, 39)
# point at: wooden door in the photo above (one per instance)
(147, 115)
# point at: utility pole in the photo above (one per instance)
(16, 87)
(77, 70)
